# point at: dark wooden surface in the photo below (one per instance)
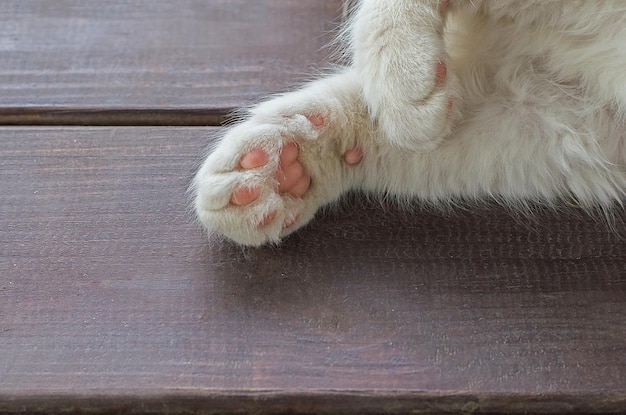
(155, 54)
(112, 300)
(109, 290)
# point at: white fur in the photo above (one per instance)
(539, 103)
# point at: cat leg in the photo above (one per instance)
(408, 83)
(269, 175)
(510, 152)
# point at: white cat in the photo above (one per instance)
(512, 100)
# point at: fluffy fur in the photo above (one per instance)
(532, 108)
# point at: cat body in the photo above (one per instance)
(513, 100)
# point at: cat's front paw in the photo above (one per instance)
(253, 187)
(399, 54)
(421, 122)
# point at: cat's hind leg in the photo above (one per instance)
(408, 84)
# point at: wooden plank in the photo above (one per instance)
(112, 299)
(155, 54)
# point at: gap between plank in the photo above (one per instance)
(60, 116)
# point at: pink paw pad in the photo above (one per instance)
(353, 155)
(253, 159)
(267, 219)
(443, 5)
(317, 120)
(291, 221)
(441, 73)
(245, 195)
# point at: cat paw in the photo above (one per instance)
(254, 188)
(421, 123)
(418, 119)
(410, 91)
(269, 175)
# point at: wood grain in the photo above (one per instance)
(112, 299)
(156, 54)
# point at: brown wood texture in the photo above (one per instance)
(113, 300)
(154, 54)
